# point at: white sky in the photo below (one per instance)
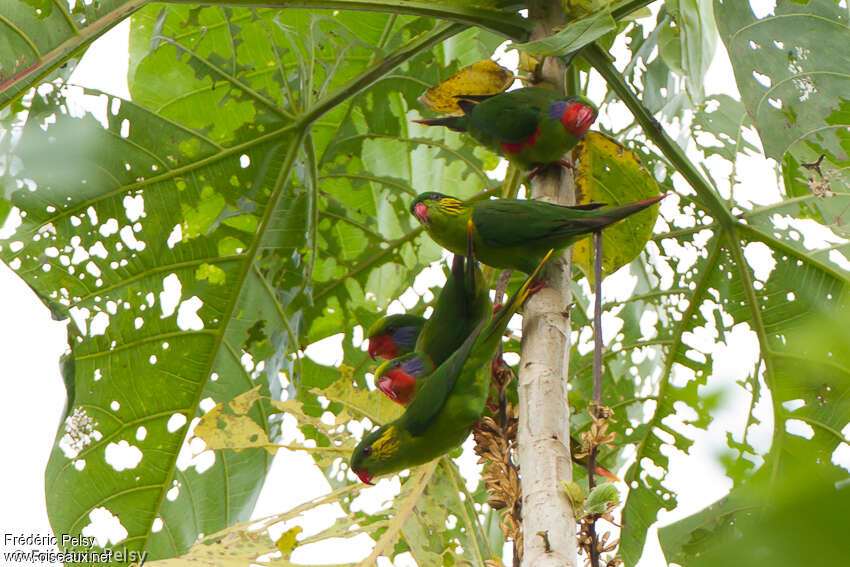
(32, 394)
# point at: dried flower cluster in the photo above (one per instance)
(585, 539)
(495, 444)
(595, 437)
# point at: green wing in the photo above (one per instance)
(430, 399)
(505, 223)
(504, 120)
(462, 304)
(512, 116)
(474, 353)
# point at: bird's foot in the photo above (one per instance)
(541, 168)
(497, 365)
(535, 286)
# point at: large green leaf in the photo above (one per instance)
(266, 163)
(209, 186)
(793, 75)
(791, 69)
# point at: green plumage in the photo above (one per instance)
(510, 233)
(444, 410)
(531, 126)
(463, 303)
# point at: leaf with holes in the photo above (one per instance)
(43, 39)
(176, 230)
(792, 72)
(611, 174)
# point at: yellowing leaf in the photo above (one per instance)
(612, 174)
(243, 403)
(481, 78)
(370, 403)
(232, 428)
(286, 542)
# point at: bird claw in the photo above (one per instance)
(536, 286)
(497, 365)
(541, 168)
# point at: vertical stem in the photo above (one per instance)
(597, 378)
(548, 521)
(597, 318)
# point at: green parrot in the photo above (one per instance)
(463, 303)
(401, 377)
(512, 233)
(530, 127)
(446, 406)
(394, 335)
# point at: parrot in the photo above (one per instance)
(511, 233)
(463, 303)
(401, 377)
(531, 127)
(446, 406)
(394, 335)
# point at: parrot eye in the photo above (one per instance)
(367, 451)
(391, 330)
(436, 196)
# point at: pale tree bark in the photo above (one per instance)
(548, 521)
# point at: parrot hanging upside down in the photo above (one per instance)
(401, 377)
(463, 303)
(446, 406)
(511, 233)
(394, 335)
(530, 127)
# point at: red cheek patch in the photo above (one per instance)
(577, 118)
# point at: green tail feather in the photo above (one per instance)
(610, 216)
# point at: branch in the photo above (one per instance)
(12, 87)
(597, 383)
(501, 21)
(544, 416)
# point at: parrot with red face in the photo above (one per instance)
(531, 127)
(394, 335)
(445, 407)
(514, 233)
(463, 303)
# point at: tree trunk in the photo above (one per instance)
(544, 417)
